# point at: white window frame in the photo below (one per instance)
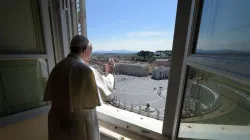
(44, 8)
(49, 52)
(215, 64)
(186, 21)
(48, 55)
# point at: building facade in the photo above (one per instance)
(160, 73)
(161, 62)
(132, 69)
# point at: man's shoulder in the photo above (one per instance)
(72, 64)
(84, 67)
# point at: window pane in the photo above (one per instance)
(212, 99)
(21, 29)
(22, 83)
(224, 27)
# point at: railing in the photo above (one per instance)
(194, 107)
(115, 101)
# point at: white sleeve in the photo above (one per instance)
(111, 79)
(104, 84)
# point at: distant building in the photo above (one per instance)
(132, 69)
(161, 62)
(163, 53)
(160, 73)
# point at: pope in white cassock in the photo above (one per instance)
(75, 90)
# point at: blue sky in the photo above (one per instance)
(131, 24)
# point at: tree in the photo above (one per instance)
(151, 54)
(157, 53)
(147, 53)
(143, 54)
(139, 54)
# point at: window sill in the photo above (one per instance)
(141, 125)
(152, 128)
(147, 127)
(212, 131)
(25, 115)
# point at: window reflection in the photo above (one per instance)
(214, 99)
(224, 27)
(22, 83)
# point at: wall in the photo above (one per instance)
(33, 129)
(132, 69)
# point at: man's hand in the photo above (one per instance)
(109, 68)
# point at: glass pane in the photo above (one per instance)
(212, 99)
(22, 83)
(224, 28)
(21, 29)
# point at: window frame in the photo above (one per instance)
(185, 22)
(188, 15)
(47, 35)
(204, 62)
(48, 55)
(188, 10)
(166, 130)
(48, 44)
(116, 118)
(163, 128)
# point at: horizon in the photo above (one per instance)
(131, 51)
(111, 26)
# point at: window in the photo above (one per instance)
(26, 55)
(224, 28)
(215, 88)
(205, 51)
(213, 99)
(21, 85)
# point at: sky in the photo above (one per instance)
(131, 24)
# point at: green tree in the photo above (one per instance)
(145, 54)
(142, 54)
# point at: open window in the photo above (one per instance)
(26, 55)
(208, 86)
(142, 56)
(209, 81)
(213, 96)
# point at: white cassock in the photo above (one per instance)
(75, 90)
